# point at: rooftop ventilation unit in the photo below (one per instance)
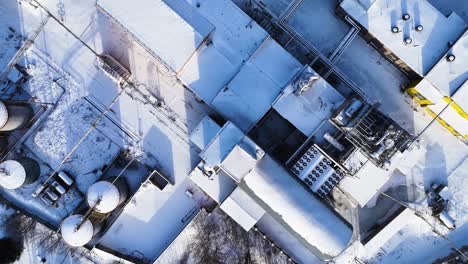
(317, 171)
(419, 28)
(376, 135)
(395, 29)
(408, 40)
(405, 17)
(304, 81)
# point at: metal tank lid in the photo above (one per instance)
(12, 174)
(3, 114)
(103, 196)
(73, 235)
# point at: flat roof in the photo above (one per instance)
(242, 209)
(308, 110)
(238, 163)
(222, 144)
(403, 219)
(290, 203)
(252, 91)
(205, 131)
(449, 76)
(366, 182)
(218, 187)
(171, 29)
(427, 46)
(234, 40)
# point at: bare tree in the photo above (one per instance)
(221, 240)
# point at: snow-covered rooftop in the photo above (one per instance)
(151, 221)
(427, 46)
(449, 76)
(242, 208)
(312, 221)
(406, 217)
(171, 29)
(308, 110)
(238, 163)
(252, 91)
(222, 144)
(205, 131)
(218, 187)
(366, 182)
(234, 40)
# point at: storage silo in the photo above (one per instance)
(77, 231)
(104, 196)
(14, 115)
(16, 173)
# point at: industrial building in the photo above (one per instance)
(209, 106)
(286, 109)
(427, 46)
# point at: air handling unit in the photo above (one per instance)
(366, 127)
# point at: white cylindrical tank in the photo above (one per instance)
(105, 196)
(14, 116)
(77, 231)
(16, 173)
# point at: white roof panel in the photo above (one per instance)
(252, 91)
(218, 188)
(247, 97)
(236, 36)
(222, 144)
(294, 206)
(238, 163)
(429, 91)
(449, 76)
(309, 110)
(166, 33)
(366, 182)
(207, 72)
(427, 46)
(242, 209)
(275, 62)
(205, 131)
(403, 219)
